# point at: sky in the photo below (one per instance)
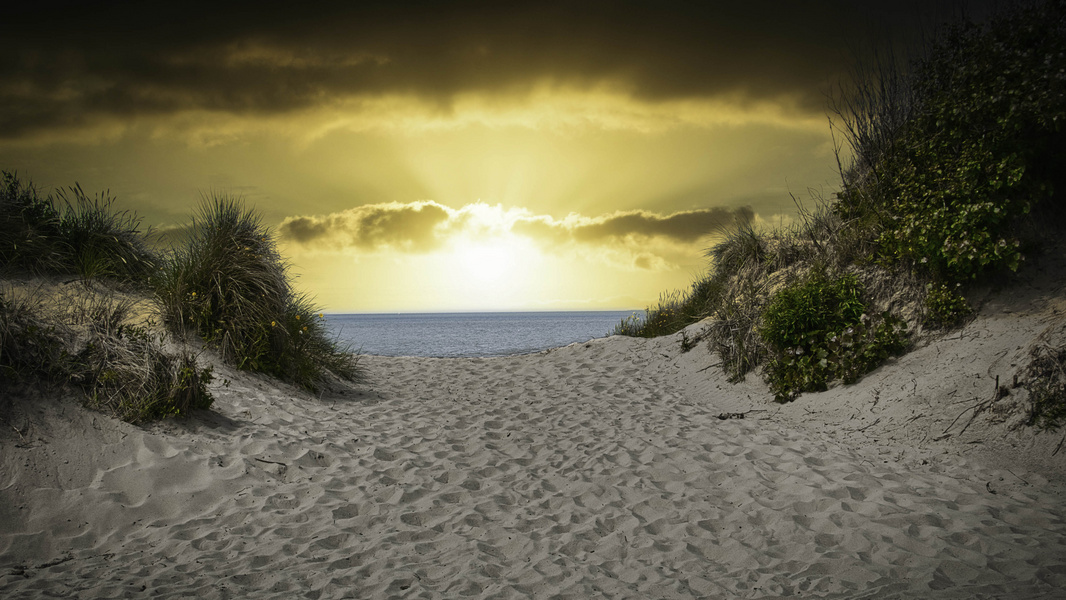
(449, 156)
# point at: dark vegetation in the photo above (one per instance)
(227, 285)
(955, 175)
(71, 234)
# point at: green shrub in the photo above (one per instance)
(945, 307)
(229, 285)
(982, 145)
(817, 331)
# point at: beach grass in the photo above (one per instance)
(82, 336)
(226, 285)
(229, 285)
(70, 233)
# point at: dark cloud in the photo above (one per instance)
(407, 227)
(684, 227)
(68, 64)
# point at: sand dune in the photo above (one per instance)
(614, 469)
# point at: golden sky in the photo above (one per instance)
(446, 156)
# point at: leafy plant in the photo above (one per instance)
(980, 146)
(945, 307)
(817, 331)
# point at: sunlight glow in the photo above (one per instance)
(500, 265)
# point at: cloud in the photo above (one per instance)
(640, 239)
(413, 227)
(273, 59)
(684, 227)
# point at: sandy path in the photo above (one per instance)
(585, 472)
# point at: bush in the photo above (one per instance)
(85, 236)
(817, 330)
(945, 307)
(229, 285)
(982, 144)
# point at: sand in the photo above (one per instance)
(618, 468)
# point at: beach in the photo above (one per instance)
(617, 468)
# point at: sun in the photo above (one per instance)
(495, 265)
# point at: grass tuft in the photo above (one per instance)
(85, 340)
(1046, 383)
(32, 348)
(229, 285)
(72, 234)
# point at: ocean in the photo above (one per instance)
(470, 334)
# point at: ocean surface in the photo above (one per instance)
(470, 334)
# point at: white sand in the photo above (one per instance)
(596, 470)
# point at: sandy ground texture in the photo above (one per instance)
(620, 468)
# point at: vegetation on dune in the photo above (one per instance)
(84, 339)
(818, 331)
(70, 234)
(227, 284)
(955, 176)
(1047, 386)
(981, 147)
(32, 348)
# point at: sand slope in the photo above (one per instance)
(597, 470)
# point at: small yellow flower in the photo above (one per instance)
(305, 328)
(297, 317)
(321, 316)
(194, 293)
(273, 323)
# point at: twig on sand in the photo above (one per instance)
(977, 409)
(1019, 478)
(876, 421)
(737, 415)
(1059, 447)
(708, 367)
(16, 431)
(273, 462)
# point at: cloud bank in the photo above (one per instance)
(641, 239)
